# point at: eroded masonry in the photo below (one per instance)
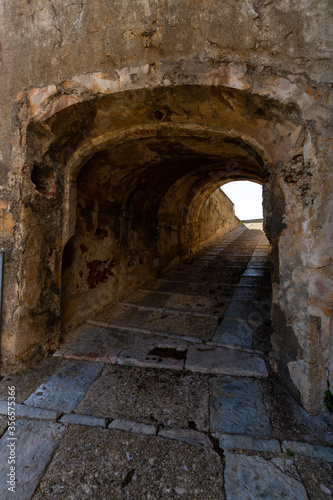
(119, 124)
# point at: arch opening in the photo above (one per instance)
(247, 198)
(151, 160)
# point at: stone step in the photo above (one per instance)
(125, 346)
(222, 361)
(159, 320)
(172, 310)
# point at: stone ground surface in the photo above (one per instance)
(167, 395)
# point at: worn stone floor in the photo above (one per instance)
(167, 395)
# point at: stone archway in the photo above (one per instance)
(254, 130)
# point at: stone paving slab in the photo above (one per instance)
(234, 441)
(236, 407)
(143, 360)
(229, 276)
(195, 266)
(255, 272)
(245, 310)
(72, 338)
(159, 397)
(162, 285)
(103, 464)
(219, 360)
(107, 344)
(35, 445)
(177, 308)
(309, 450)
(26, 382)
(199, 289)
(179, 324)
(64, 389)
(155, 352)
(259, 264)
(147, 298)
(122, 424)
(263, 282)
(255, 478)
(23, 411)
(74, 418)
(160, 321)
(192, 270)
(199, 304)
(247, 293)
(100, 344)
(189, 436)
(119, 314)
(234, 332)
(181, 276)
(227, 260)
(194, 289)
(146, 332)
(221, 272)
(259, 258)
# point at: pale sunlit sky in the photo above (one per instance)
(247, 198)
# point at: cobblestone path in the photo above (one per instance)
(167, 395)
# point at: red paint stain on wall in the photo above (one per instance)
(99, 272)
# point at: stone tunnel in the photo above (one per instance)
(113, 160)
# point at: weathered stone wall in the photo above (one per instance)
(252, 75)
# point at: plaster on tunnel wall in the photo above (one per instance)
(244, 127)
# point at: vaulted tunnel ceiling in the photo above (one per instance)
(135, 177)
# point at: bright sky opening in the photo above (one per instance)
(247, 198)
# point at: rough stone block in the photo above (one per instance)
(189, 436)
(74, 418)
(224, 361)
(130, 426)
